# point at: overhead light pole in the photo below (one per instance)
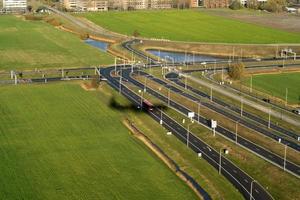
(251, 188)
(199, 110)
(188, 135)
(169, 97)
(284, 158)
(236, 131)
(220, 161)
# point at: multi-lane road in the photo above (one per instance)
(242, 181)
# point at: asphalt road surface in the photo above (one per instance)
(235, 175)
(263, 153)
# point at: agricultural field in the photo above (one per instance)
(189, 25)
(276, 84)
(58, 141)
(36, 44)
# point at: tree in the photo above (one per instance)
(235, 5)
(136, 33)
(276, 5)
(236, 71)
(29, 8)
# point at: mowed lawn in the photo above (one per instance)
(61, 142)
(189, 25)
(36, 44)
(276, 84)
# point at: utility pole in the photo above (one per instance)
(198, 111)
(251, 189)
(168, 97)
(188, 136)
(161, 119)
(120, 85)
(115, 65)
(142, 99)
(286, 96)
(215, 66)
(251, 84)
(269, 121)
(16, 78)
(220, 161)
(236, 132)
(211, 93)
(193, 58)
(242, 105)
(284, 159)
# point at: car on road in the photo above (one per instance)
(266, 100)
(297, 111)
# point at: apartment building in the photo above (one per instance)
(86, 5)
(160, 4)
(15, 4)
(210, 3)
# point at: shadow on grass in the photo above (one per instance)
(114, 104)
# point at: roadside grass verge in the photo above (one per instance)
(276, 85)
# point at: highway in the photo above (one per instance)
(235, 175)
(153, 63)
(225, 111)
(259, 151)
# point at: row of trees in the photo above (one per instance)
(270, 5)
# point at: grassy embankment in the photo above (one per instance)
(189, 25)
(276, 85)
(36, 44)
(60, 142)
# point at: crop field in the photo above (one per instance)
(58, 141)
(36, 44)
(276, 84)
(189, 25)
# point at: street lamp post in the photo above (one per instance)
(269, 121)
(251, 188)
(115, 65)
(141, 97)
(188, 136)
(168, 97)
(251, 84)
(284, 159)
(242, 105)
(220, 161)
(211, 93)
(286, 96)
(161, 119)
(236, 132)
(199, 111)
(120, 84)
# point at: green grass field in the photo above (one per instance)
(58, 141)
(276, 84)
(36, 44)
(189, 25)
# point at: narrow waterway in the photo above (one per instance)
(98, 44)
(182, 57)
